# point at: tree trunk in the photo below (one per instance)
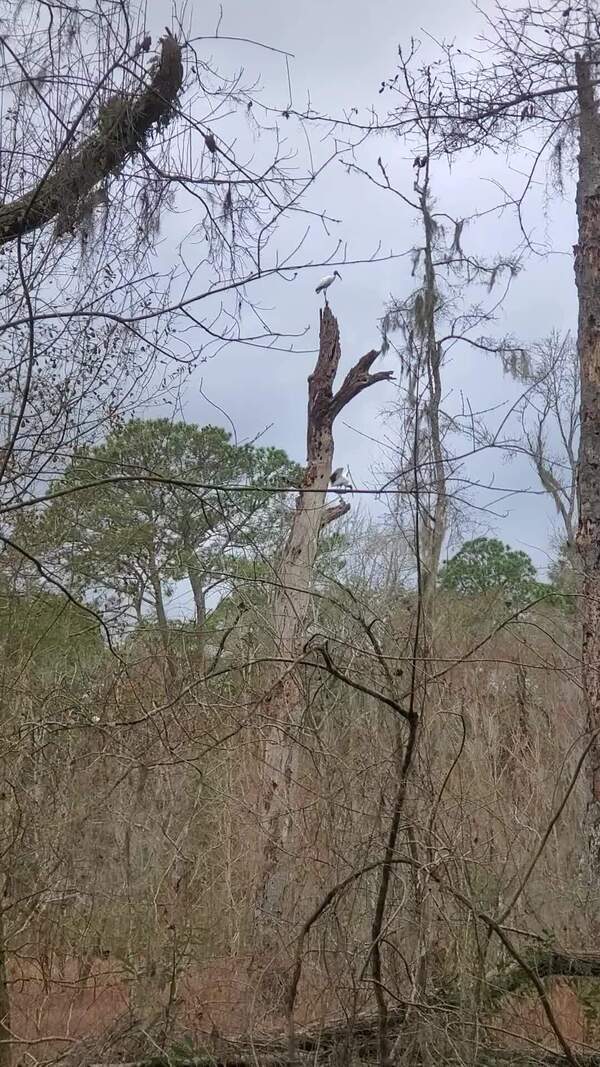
(138, 607)
(200, 608)
(587, 275)
(283, 709)
(5, 1031)
(163, 624)
(433, 526)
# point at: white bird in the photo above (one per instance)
(339, 479)
(326, 282)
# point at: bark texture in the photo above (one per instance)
(5, 1027)
(123, 127)
(284, 707)
(433, 520)
(587, 275)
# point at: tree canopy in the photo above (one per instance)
(161, 501)
(487, 566)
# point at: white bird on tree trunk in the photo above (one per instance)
(339, 479)
(325, 282)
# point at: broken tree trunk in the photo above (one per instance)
(124, 124)
(587, 275)
(284, 707)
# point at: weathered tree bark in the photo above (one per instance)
(138, 605)
(5, 1031)
(200, 609)
(432, 525)
(587, 275)
(163, 622)
(123, 127)
(283, 708)
(198, 594)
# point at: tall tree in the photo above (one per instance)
(159, 502)
(423, 329)
(284, 706)
(549, 414)
(486, 567)
(539, 81)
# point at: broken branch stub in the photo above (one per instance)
(333, 512)
(357, 379)
(323, 404)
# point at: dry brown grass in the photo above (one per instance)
(153, 816)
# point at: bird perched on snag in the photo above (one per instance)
(325, 282)
(339, 479)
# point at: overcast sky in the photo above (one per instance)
(342, 50)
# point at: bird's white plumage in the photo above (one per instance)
(327, 281)
(339, 480)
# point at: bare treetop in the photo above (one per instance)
(519, 78)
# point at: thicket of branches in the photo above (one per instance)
(279, 784)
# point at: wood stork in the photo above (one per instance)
(325, 282)
(339, 479)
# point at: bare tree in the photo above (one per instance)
(540, 83)
(93, 324)
(424, 427)
(549, 414)
(432, 321)
(285, 704)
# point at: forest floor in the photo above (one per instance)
(62, 1013)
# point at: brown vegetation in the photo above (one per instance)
(340, 815)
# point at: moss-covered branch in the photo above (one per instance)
(123, 127)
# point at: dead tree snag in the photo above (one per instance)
(284, 707)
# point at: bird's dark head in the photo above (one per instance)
(336, 274)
